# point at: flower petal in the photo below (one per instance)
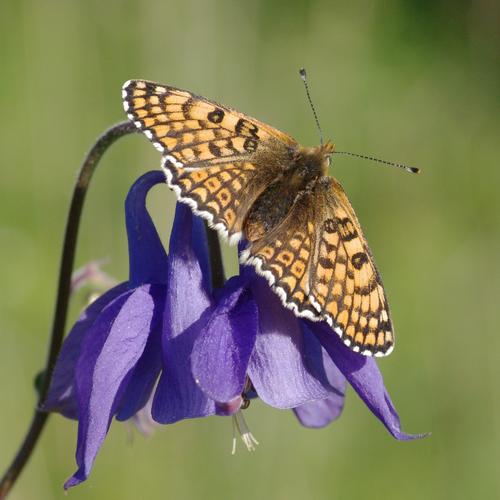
(147, 257)
(61, 397)
(320, 364)
(110, 350)
(365, 377)
(316, 414)
(278, 367)
(188, 289)
(145, 375)
(224, 344)
(177, 395)
(320, 413)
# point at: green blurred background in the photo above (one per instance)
(412, 81)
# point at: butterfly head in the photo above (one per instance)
(327, 148)
(325, 152)
(310, 164)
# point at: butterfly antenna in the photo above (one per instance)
(303, 76)
(412, 170)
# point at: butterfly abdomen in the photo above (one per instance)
(269, 209)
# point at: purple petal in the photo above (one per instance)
(61, 397)
(177, 395)
(187, 295)
(145, 375)
(110, 350)
(316, 414)
(319, 362)
(147, 257)
(364, 376)
(222, 350)
(320, 413)
(278, 367)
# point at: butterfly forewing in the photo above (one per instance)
(210, 151)
(177, 120)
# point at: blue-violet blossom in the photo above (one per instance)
(165, 340)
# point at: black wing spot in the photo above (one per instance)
(186, 107)
(216, 116)
(359, 260)
(250, 145)
(246, 128)
(214, 149)
(326, 263)
(330, 226)
(347, 229)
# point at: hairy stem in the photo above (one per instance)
(62, 299)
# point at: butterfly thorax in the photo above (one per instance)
(303, 169)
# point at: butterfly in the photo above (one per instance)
(252, 181)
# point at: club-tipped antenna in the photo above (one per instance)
(303, 76)
(412, 170)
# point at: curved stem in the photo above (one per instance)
(63, 292)
(215, 255)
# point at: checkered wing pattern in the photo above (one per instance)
(216, 159)
(318, 262)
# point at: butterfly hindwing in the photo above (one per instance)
(318, 262)
(284, 257)
(215, 192)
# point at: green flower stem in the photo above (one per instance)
(63, 293)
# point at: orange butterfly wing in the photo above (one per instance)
(318, 262)
(216, 159)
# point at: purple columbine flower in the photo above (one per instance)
(111, 359)
(249, 340)
(165, 340)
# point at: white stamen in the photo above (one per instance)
(240, 425)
